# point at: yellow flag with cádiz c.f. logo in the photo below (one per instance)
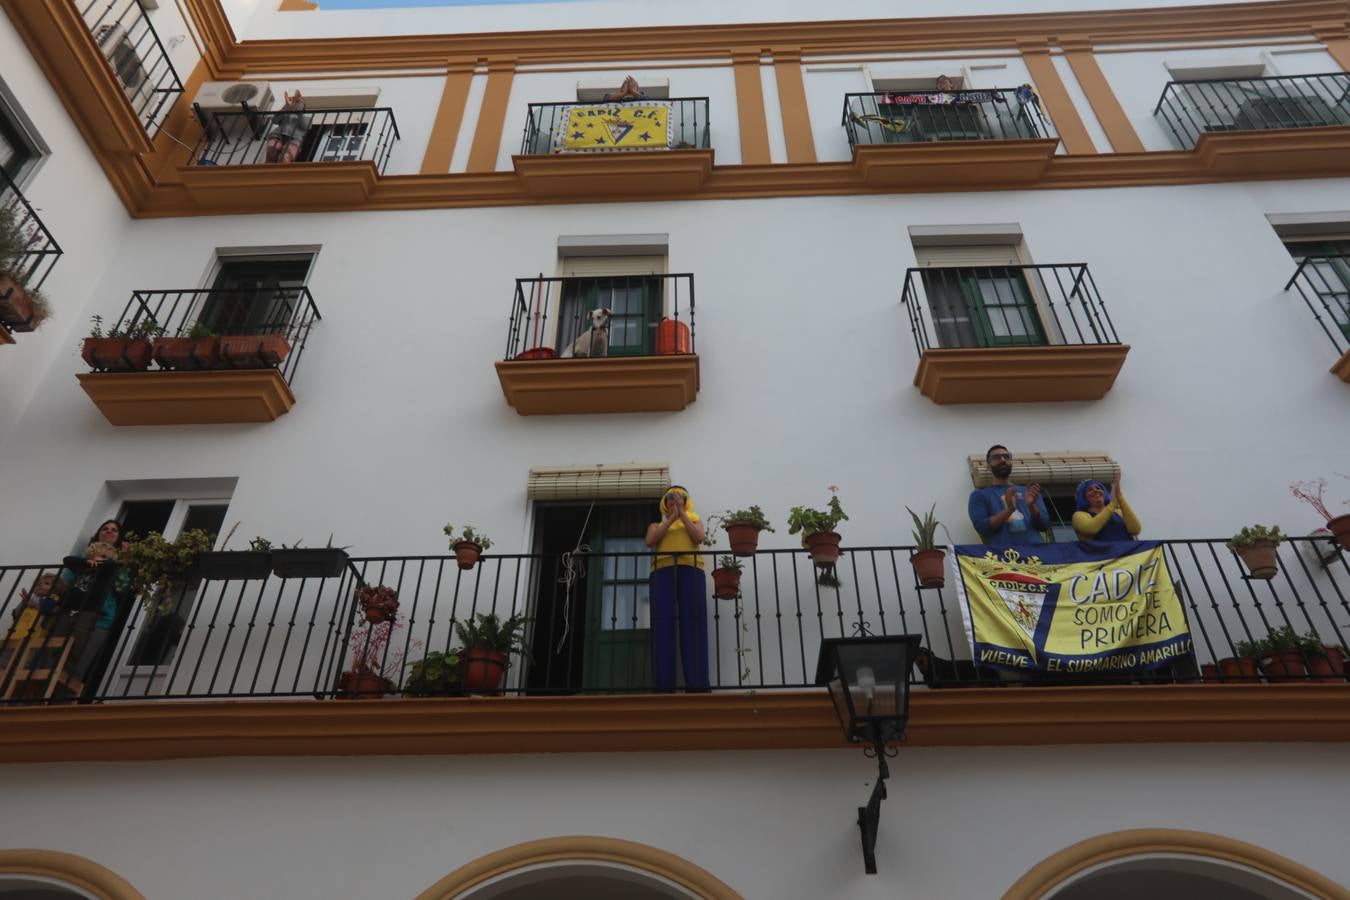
(620, 126)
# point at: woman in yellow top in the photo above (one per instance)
(678, 592)
(1103, 515)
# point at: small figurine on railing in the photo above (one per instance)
(629, 90)
(288, 131)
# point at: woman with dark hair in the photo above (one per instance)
(1104, 515)
(95, 592)
(110, 532)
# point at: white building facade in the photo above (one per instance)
(1116, 241)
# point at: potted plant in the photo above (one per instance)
(743, 527)
(469, 546)
(1326, 664)
(727, 577)
(488, 643)
(377, 604)
(1282, 655)
(927, 559)
(237, 565)
(159, 569)
(253, 351)
(817, 529)
(121, 349)
(309, 562)
(22, 308)
(1246, 666)
(436, 674)
(1256, 546)
(1314, 494)
(377, 659)
(196, 350)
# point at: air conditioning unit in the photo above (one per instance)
(121, 54)
(233, 96)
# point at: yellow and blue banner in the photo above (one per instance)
(1071, 608)
(608, 127)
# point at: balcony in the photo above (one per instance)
(222, 356)
(264, 636)
(562, 357)
(1189, 110)
(138, 60)
(1011, 334)
(27, 254)
(1324, 284)
(239, 165)
(961, 139)
(630, 148)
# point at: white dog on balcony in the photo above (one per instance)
(594, 341)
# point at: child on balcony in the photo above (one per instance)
(34, 606)
(288, 131)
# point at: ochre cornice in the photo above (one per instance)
(723, 721)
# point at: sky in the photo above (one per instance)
(384, 4)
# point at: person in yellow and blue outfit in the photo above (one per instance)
(678, 593)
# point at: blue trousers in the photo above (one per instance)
(679, 594)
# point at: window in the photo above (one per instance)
(256, 295)
(1328, 278)
(334, 142)
(20, 148)
(630, 287)
(978, 296)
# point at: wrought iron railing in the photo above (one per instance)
(616, 125)
(250, 137)
(1189, 109)
(906, 117)
(129, 43)
(1005, 306)
(589, 620)
(618, 315)
(264, 327)
(29, 251)
(1324, 284)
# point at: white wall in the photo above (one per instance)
(807, 363)
(959, 822)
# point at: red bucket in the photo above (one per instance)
(672, 336)
(536, 353)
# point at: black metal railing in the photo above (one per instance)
(907, 117)
(129, 43)
(1189, 109)
(33, 253)
(1324, 284)
(590, 619)
(1005, 306)
(618, 315)
(615, 125)
(263, 327)
(250, 137)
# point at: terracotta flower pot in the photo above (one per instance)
(17, 311)
(1340, 527)
(744, 539)
(252, 351)
(928, 567)
(1284, 665)
(1239, 668)
(537, 353)
(467, 553)
(116, 354)
(1261, 559)
(1209, 673)
(484, 669)
(184, 352)
(363, 685)
(1327, 666)
(726, 584)
(823, 547)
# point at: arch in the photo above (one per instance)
(581, 848)
(75, 871)
(1059, 868)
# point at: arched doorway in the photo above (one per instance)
(597, 868)
(52, 875)
(1163, 863)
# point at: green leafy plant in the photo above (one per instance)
(40, 303)
(1250, 649)
(143, 330)
(488, 631)
(96, 329)
(158, 568)
(469, 535)
(13, 242)
(435, 674)
(1252, 534)
(260, 545)
(828, 578)
(730, 563)
(753, 516)
(200, 331)
(1283, 638)
(810, 521)
(1311, 644)
(925, 529)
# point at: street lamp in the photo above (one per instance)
(868, 678)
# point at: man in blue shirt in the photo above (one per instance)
(1004, 513)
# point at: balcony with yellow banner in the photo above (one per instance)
(637, 148)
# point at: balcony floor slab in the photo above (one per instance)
(188, 398)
